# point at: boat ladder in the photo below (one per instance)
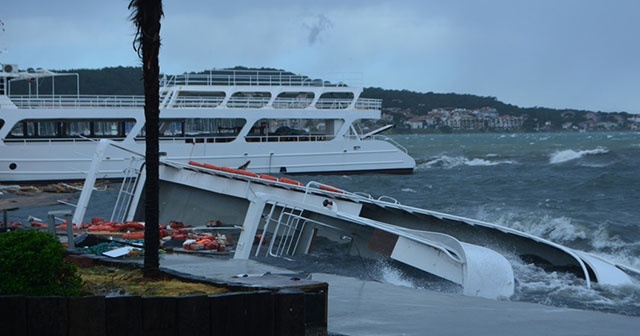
(127, 189)
(289, 235)
(286, 231)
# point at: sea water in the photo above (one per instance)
(581, 190)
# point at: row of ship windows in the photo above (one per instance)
(188, 127)
(116, 128)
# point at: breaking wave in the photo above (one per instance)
(564, 230)
(445, 161)
(570, 154)
(561, 289)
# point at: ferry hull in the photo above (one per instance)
(70, 161)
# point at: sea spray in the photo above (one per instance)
(570, 154)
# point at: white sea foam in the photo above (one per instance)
(601, 240)
(408, 190)
(564, 230)
(570, 154)
(563, 289)
(393, 276)
(445, 161)
(558, 229)
(480, 162)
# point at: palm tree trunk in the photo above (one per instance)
(146, 16)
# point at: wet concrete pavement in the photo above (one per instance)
(358, 307)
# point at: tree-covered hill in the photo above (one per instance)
(421, 103)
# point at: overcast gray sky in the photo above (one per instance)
(582, 54)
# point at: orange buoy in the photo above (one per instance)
(210, 166)
(332, 189)
(131, 226)
(268, 177)
(109, 228)
(176, 224)
(97, 220)
(197, 164)
(246, 173)
(211, 245)
(133, 235)
(290, 181)
(41, 225)
(257, 238)
(229, 170)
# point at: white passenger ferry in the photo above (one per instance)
(270, 121)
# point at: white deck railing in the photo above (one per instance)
(254, 78)
(102, 101)
(78, 101)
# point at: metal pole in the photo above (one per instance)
(70, 237)
(52, 223)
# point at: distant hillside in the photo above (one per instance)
(128, 81)
(414, 104)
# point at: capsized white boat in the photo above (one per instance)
(272, 121)
(462, 250)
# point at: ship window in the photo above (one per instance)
(76, 128)
(211, 129)
(188, 99)
(31, 129)
(71, 128)
(292, 130)
(215, 126)
(171, 127)
(17, 130)
(293, 100)
(106, 128)
(128, 126)
(1, 123)
(335, 100)
(249, 99)
(49, 128)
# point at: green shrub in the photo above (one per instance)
(32, 263)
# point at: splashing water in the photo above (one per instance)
(570, 154)
(446, 161)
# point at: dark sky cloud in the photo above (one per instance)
(319, 24)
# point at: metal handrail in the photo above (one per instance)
(78, 101)
(121, 101)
